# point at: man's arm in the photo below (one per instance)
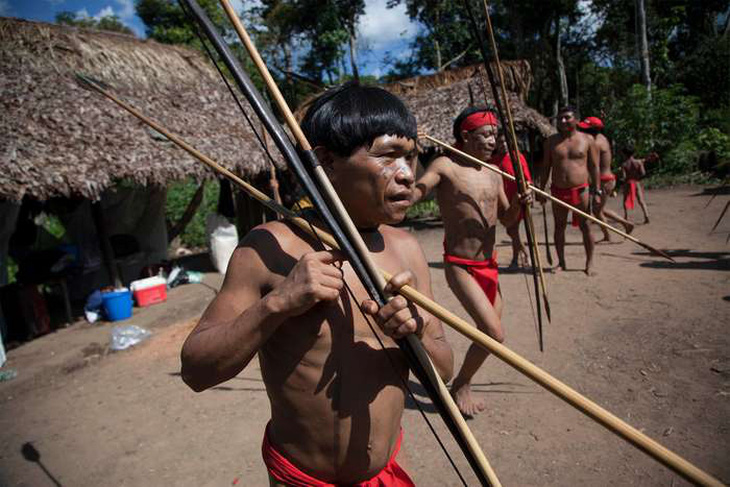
(239, 320)
(594, 168)
(430, 179)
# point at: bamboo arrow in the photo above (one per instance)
(418, 359)
(548, 196)
(535, 373)
(505, 115)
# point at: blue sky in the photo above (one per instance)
(381, 30)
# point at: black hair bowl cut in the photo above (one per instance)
(351, 115)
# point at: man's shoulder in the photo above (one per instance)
(399, 240)
(440, 163)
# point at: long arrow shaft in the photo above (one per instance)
(505, 116)
(535, 373)
(411, 346)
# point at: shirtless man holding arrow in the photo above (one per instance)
(471, 199)
(337, 395)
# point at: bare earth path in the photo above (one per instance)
(644, 338)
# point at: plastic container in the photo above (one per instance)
(117, 304)
(149, 291)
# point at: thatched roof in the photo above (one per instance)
(437, 99)
(61, 140)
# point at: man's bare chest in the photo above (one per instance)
(571, 151)
(468, 185)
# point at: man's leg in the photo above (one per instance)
(601, 215)
(642, 201)
(518, 250)
(588, 242)
(628, 226)
(560, 216)
(487, 319)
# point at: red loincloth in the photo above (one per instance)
(570, 196)
(630, 198)
(484, 272)
(608, 177)
(285, 472)
(510, 187)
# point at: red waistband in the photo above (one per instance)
(490, 263)
(286, 472)
(608, 177)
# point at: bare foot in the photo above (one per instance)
(629, 227)
(560, 268)
(589, 272)
(513, 264)
(605, 239)
(646, 220)
(468, 406)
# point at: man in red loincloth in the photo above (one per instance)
(337, 395)
(572, 158)
(633, 171)
(594, 127)
(471, 199)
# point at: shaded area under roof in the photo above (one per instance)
(61, 140)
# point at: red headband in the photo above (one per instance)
(478, 119)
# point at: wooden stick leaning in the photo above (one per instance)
(482, 464)
(547, 195)
(553, 385)
(516, 163)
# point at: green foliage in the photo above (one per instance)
(423, 209)
(713, 140)
(178, 196)
(667, 123)
(108, 23)
(166, 22)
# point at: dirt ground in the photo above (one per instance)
(645, 338)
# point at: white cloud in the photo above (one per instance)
(126, 9)
(105, 12)
(380, 25)
(82, 14)
(4, 7)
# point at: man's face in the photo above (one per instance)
(567, 122)
(480, 142)
(376, 183)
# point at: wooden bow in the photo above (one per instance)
(516, 361)
(505, 115)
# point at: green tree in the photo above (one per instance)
(108, 23)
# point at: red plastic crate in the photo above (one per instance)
(150, 295)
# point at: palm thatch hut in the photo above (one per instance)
(437, 99)
(61, 141)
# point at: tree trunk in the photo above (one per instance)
(437, 47)
(562, 79)
(353, 56)
(644, 45)
(289, 70)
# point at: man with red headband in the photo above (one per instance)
(572, 158)
(471, 199)
(594, 127)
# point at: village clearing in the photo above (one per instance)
(645, 338)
